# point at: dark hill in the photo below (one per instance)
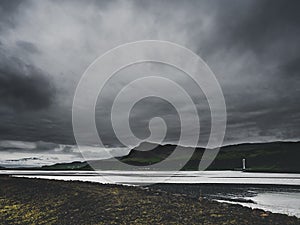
(274, 156)
(265, 157)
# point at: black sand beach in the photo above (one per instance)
(35, 201)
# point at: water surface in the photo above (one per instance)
(275, 192)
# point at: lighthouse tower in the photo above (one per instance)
(244, 164)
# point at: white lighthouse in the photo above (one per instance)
(244, 164)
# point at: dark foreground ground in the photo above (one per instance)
(34, 201)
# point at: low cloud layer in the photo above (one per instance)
(33, 154)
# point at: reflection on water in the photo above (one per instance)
(150, 177)
(274, 198)
(280, 202)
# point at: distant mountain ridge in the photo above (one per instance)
(269, 157)
(260, 157)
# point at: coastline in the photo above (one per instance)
(37, 201)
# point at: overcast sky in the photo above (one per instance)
(252, 46)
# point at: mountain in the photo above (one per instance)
(267, 157)
(68, 166)
(271, 157)
(260, 157)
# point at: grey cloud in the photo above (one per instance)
(27, 46)
(254, 25)
(23, 86)
(8, 10)
(252, 46)
(291, 68)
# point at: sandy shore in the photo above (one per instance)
(34, 201)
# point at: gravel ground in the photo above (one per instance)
(35, 201)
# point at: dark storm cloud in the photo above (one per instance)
(252, 46)
(23, 86)
(8, 9)
(262, 39)
(9, 6)
(28, 46)
(254, 25)
(291, 68)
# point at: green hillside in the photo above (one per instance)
(271, 157)
(260, 157)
